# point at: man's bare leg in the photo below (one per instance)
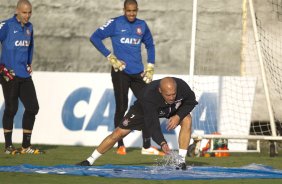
(112, 139)
(184, 140)
(185, 132)
(108, 143)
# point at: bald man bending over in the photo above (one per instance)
(169, 98)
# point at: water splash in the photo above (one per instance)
(170, 160)
(169, 163)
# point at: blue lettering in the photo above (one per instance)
(70, 121)
(98, 118)
(207, 104)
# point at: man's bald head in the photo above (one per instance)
(23, 2)
(167, 83)
(168, 89)
(23, 11)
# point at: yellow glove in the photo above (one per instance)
(117, 64)
(148, 73)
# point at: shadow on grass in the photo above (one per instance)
(45, 147)
(39, 146)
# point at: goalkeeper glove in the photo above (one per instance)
(29, 69)
(7, 74)
(148, 73)
(117, 64)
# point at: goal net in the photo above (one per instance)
(236, 70)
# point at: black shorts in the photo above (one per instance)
(134, 119)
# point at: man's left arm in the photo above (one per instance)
(30, 50)
(30, 54)
(188, 104)
(150, 47)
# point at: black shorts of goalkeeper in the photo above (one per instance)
(134, 119)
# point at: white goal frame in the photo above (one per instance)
(272, 137)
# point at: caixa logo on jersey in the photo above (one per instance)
(22, 43)
(133, 41)
(102, 114)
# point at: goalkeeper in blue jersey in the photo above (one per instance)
(16, 37)
(127, 34)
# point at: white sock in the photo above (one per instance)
(94, 157)
(182, 153)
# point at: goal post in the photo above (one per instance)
(236, 70)
(261, 63)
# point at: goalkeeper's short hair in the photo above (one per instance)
(129, 2)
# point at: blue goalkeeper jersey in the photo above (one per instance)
(127, 38)
(17, 46)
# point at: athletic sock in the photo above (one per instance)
(26, 140)
(120, 143)
(94, 157)
(8, 139)
(182, 153)
(146, 143)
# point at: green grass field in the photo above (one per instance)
(56, 155)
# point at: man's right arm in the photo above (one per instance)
(3, 30)
(6, 74)
(157, 134)
(97, 38)
(105, 31)
(158, 137)
(152, 122)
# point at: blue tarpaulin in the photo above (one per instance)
(152, 172)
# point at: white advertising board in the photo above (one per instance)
(78, 109)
